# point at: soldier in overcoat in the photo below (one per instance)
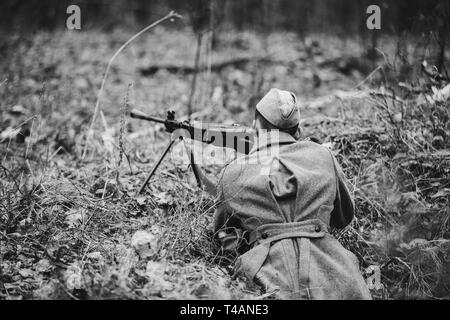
(275, 207)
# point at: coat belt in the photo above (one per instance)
(313, 228)
(264, 236)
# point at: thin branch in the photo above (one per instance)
(171, 15)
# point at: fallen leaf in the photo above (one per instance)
(413, 243)
(154, 269)
(9, 133)
(75, 217)
(164, 199)
(73, 277)
(18, 110)
(26, 273)
(95, 255)
(441, 193)
(141, 200)
(145, 243)
(43, 265)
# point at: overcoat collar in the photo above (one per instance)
(266, 139)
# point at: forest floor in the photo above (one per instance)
(71, 227)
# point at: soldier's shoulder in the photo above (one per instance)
(235, 168)
(312, 144)
(310, 149)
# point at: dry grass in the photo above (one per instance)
(71, 227)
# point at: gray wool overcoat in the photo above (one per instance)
(275, 208)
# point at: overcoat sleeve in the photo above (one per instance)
(344, 206)
(227, 228)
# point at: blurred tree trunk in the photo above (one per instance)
(372, 53)
(199, 13)
(194, 77)
(444, 16)
(143, 10)
(302, 8)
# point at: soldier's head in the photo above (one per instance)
(278, 110)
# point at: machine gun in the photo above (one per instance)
(225, 136)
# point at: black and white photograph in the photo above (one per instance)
(243, 151)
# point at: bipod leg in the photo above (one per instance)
(155, 166)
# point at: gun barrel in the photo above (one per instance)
(240, 139)
(137, 114)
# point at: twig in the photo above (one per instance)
(20, 125)
(67, 292)
(367, 78)
(125, 108)
(171, 15)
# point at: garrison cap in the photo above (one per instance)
(280, 109)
